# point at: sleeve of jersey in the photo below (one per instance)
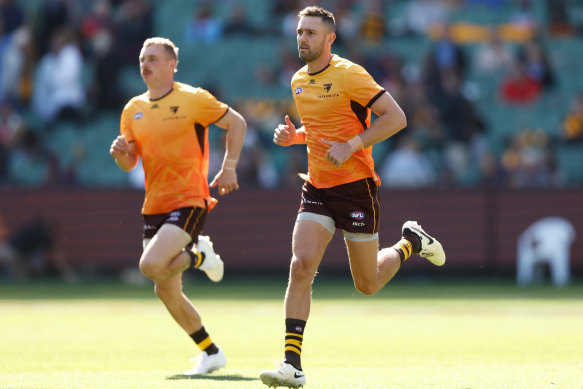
(207, 108)
(363, 88)
(125, 127)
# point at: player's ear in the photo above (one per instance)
(331, 38)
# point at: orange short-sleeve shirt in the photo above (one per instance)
(171, 135)
(334, 104)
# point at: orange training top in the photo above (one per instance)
(334, 105)
(171, 135)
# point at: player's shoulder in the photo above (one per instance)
(341, 63)
(189, 90)
(137, 100)
(301, 73)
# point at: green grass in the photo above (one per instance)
(456, 334)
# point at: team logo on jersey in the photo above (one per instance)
(174, 216)
(327, 87)
(174, 109)
(299, 90)
(155, 106)
(358, 215)
(138, 116)
(312, 82)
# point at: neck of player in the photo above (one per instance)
(158, 91)
(319, 63)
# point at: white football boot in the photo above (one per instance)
(205, 364)
(212, 264)
(284, 375)
(430, 247)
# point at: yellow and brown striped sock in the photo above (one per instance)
(204, 342)
(294, 335)
(404, 248)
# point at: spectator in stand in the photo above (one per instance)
(493, 56)
(11, 16)
(458, 114)
(407, 166)
(518, 88)
(12, 125)
(444, 56)
(13, 60)
(238, 23)
(537, 64)
(98, 22)
(420, 15)
(372, 26)
(463, 126)
(572, 126)
(347, 29)
(105, 90)
(54, 15)
(59, 93)
(528, 162)
(204, 28)
(134, 22)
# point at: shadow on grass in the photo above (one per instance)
(229, 377)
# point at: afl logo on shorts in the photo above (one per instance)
(358, 215)
(138, 116)
(299, 90)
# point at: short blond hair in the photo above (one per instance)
(168, 46)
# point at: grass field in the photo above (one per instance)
(414, 334)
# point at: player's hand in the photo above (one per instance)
(119, 148)
(338, 152)
(226, 181)
(285, 134)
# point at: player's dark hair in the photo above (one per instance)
(326, 16)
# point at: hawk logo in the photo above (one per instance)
(328, 87)
(312, 82)
(154, 106)
(174, 109)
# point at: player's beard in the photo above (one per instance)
(311, 54)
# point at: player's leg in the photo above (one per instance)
(311, 236)
(164, 255)
(371, 269)
(309, 242)
(186, 315)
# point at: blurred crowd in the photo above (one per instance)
(64, 60)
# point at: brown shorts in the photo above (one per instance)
(354, 207)
(190, 219)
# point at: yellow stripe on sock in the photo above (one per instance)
(199, 259)
(294, 334)
(294, 342)
(295, 350)
(205, 343)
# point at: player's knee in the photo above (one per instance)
(301, 269)
(150, 270)
(365, 287)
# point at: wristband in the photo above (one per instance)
(229, 168)
(356, 143)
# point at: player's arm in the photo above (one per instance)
(235, 125)
(124, 153)
(391, 119)
(287, 134)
